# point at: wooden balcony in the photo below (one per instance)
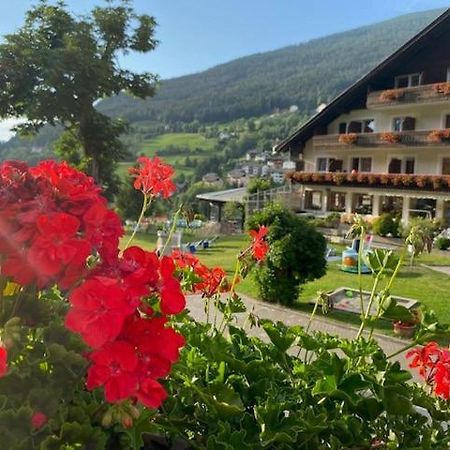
(433, 183)
(426, 138)
(427, 93)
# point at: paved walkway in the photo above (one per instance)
(440, 269)
(292, 317)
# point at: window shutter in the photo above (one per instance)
(409, 124)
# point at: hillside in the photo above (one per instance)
(306, 75)
(246, 89)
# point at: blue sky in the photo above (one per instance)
(198, 34)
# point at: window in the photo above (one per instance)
(362, 164)
(335, 165)
(342, 128)
(322, 164)
(403, 124)
(445, 166)
(395, 166)
(361, 126)
(329, 165)
(409, 165)
(410, 80)
(368, 125)
(401, 165)
(447, 121)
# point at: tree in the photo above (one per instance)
(297, 254)
(57, 66)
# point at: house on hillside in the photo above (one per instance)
(383, 144)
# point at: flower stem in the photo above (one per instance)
(145, 205)
(403, 349)
(172, 230)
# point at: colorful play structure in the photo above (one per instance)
(350, 256)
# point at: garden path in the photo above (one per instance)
(441, 269)
(291, 317)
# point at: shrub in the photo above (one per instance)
(442, 243)
(297, 254)
(387, 224)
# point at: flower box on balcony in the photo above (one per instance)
(348, 138)
(391, 95)
(439, 135)
(442, 88)
(390, 138)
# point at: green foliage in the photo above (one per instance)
(259, 184)
(58, 52)
(332, 220)
(297, 254)
(442, 243)
(387, 224)
(305, 75)
(238, 392)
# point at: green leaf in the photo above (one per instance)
(326, 385)
(395, 403)
(280, 335)
(381, 259)
(393, 311)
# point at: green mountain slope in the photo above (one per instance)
(306, 75)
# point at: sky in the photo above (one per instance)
(197, 34)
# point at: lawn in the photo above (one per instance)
(192, 145)
(429, 287)
(183, 140)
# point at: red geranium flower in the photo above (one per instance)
(172, 298)
(153, 177)
(151, 393)
(259, 246)
(114, 368)
(38, 420)
(3, 361)
(99, 309)
(442, 380)
(424, 358)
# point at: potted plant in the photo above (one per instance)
(390, 137)
(348, 138)
(407, 328)
(391, 95)
(439, 135)
(442, 88)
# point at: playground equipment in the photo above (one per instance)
(350, 256)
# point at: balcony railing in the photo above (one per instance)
(427, 93)
(439, 183)
(385, 139)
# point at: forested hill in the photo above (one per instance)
(306, 75)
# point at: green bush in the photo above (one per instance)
(297, 254)
(442, 243)
(387, 224)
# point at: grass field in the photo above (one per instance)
(194, 145)
(429, 287)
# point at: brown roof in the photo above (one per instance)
(342, 101)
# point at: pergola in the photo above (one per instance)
(220, 198)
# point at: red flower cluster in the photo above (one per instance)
(433, 363)
(38, 420)
(52, 218)
(206, 281)
(153, 177)
(112, 311)
(3, 361)
(259, 246)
